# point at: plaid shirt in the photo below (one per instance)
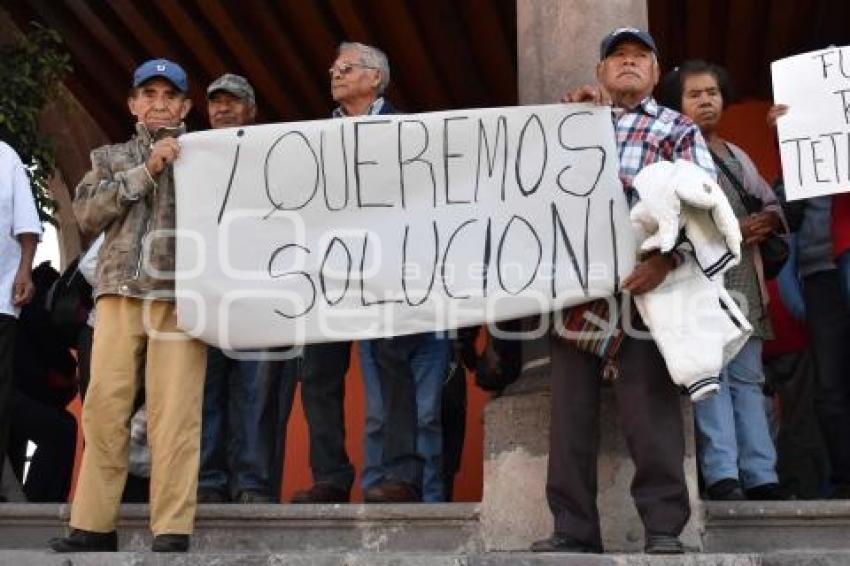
(649, 133)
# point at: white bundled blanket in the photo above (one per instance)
(695, 323)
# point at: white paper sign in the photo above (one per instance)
(386, 225)
(814, 136)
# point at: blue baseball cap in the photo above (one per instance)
(164, 68)
(620, 35)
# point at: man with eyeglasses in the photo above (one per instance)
(402, 376)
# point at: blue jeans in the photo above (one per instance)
(373, 433)
(429, 364)
(246, 406)
(734, 436)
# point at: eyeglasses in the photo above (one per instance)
(346, 68)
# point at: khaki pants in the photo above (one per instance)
(131, 334)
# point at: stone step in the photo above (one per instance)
(41, 558)
(753, 526)
(446, 527)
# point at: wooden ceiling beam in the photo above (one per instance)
(403, 43)
(449, 50)
(744, 58)
(106, 38)
(313, 35)
(273, 38)
(105, 83)
(179, 26)
(253, 63)
(491, 48)
(139, 26)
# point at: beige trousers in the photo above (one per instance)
(135, 338)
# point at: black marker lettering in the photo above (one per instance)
(359, 164)
(501, 125)
(447, 155)
(445, 258)
(600, 149)
(347, 271)
(404, 161)
(275, 275)
(520, 146)
(279, 205)
(404, 263)
(502, 245)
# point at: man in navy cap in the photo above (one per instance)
(129, 196)
(648, 402)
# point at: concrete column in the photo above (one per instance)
(558, 42)
(558, 49)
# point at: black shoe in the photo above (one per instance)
(253, 496)
(211, 495)
(392, 491)
(321, 492)
(725, 490)
(766, 492)
(840, 491)
(170, 543)
(85, 541)
(563, 543)
(663, 544)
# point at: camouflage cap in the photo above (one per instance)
(236, 85)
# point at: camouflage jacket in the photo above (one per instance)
(136, 212)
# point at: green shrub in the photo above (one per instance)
(31, 71)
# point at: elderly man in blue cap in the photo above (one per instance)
(129, 195)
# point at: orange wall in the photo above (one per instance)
(745, 125)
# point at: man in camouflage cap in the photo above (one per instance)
(231, 102)
(247, 400)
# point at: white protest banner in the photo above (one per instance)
(814, 137)
(364, 227)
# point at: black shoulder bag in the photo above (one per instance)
(774, 250)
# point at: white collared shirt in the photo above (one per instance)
(17, 216)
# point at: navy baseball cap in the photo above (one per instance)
(620, 35)
(164, 68)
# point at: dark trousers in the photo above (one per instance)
(454, 422)
(803, 464)
(393, 357)
(54, 432)
(828, 321)
(246, 407)
(84, 346)
(651, 420)
(276, 411)
(7, 350)
(322, 395)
